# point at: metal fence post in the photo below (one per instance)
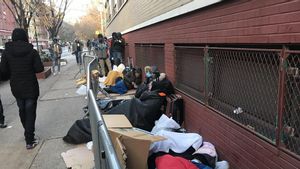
(281, 90)
(206, 73)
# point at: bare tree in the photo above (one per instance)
(51, 15)
(22, 10)
(89, 24)
(67, 32)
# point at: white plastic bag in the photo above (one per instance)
(81, 90)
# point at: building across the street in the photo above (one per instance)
(235, 62)
(7, 23)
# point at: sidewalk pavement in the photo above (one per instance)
(58, 108)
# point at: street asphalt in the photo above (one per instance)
(58, 108)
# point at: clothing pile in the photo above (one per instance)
(181, 150)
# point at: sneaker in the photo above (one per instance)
(33, 145)
(3, 125)
(54, 74)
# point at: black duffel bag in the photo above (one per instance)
(80, 132)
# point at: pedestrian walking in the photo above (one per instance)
(57, 51)
(2, 118)
(77, 49)
(20, 62)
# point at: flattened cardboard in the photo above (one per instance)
(116, 121)
(79, 158)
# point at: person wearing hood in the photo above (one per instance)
(19, 63)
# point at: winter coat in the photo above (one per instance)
(117, 45)
(20, 62)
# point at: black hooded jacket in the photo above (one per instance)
(19, 63)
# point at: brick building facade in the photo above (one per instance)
(221, 57)
(7, 23)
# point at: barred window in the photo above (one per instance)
(150, 55)
(189, 63)
(243, 85)
(291, 114)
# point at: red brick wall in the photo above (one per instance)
(7, 21)
(232, 22)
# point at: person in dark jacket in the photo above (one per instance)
(117, 46)
(20, 62)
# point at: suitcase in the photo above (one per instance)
(175, 108)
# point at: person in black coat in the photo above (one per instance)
(19, 63)
(117, 46)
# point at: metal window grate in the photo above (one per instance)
(126, 55)
(150, 55)
(243, 84)
(291, 114)
(258, 88)
(189, 63)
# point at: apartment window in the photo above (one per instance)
(113, 7)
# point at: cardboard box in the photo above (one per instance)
(136, 142)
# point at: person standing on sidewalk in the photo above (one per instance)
(77, 49)
(89, 46)
(116, 47)
(21, 62)
(102, 53)
(56, 56)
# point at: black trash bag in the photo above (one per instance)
(142, 113)
(80, 132)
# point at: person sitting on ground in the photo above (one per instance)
(114, 75)
(155, 81)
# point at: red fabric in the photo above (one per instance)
(170, 162)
